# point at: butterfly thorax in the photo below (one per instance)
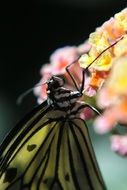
(59, 97)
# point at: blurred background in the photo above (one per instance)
(29, 33)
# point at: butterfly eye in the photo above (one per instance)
(55, 82)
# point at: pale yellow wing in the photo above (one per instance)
(47, 152)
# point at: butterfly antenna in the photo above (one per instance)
(24, 94)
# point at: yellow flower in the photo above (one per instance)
(121, 47)
(117, 80)
(121, 19)
(85, 60)
(100, 41)
(103, 63)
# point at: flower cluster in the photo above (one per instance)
(109, 76)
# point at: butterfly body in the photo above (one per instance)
(50, 148)
(60, 97)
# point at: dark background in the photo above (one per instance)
(29, 33)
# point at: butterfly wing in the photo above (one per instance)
(73, 160)
(24, 125)
(21, 144)
(46, 152)
(82, 164)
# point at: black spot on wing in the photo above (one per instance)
(45, 180)
(31, 147)
(52, 183)
(67, 178)
(56, 185)
(10, 175)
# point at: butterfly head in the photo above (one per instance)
(55, 83)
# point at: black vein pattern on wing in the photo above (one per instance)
(73, 173)
(47, 153)
(40, 148)
(19, 138)
(56, 175)
(92, 159)
(17, 130)
(44, 106)
(72, 125)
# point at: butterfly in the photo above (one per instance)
(50, 148)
